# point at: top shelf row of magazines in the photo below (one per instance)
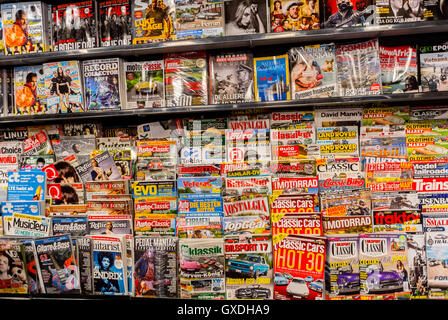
(36, 32)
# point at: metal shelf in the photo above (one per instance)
(419, 98)
(243, 41)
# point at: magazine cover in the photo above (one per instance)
(111, 224)
(383, 266)
(24, 27)
(37, 144)
(303, 203)
(241, 186)
(245, 17)
(155, 267)
(392, 12)
(358, 69)
(231, 78)
(144, 84)
(435, 227)
(103, 88)
(17, 133)
(200, 19)
(299, 265)
(342, 267)
(202, 260)
(434, 67)
(26, 184)
(35, 208)
(418, 272)
(100, 168)
(84, 246)
(74, 226)
(88, 130)
(63, 87)
(393, 116)
(186, 79)
(271, 78)
(329, 117)
(399, 72)
(288, 15)
(153, 21)
(195, 226)
(65, 193)
(34, 285)
(57, 270)
(8, 162)
(14, 277)
(155, 225)
(29, 90)
(428, 113)
(249, 267)
(100, 188)
(433, 10)
(142, 189)
(109, 265)
(36, 162)
(348, 13)
(78, 146)
(73, 26)
(115, 25)
(296, 224)
(26, 225)
(313, 71)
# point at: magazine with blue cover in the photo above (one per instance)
(35, 208)
(109, 265)
(26, 185)
(272, 78)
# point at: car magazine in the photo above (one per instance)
(195, 20)
(202, 269)
(299, 265)
(144, 84)
(186, 79)
(342, 268)
(249, 267)
(383, 266)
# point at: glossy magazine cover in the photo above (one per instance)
(29, 90)
(153, 21)
(115, 23)
(286, 15)
(63, 87)
(271, 76)
(245, 17)
(24, 29)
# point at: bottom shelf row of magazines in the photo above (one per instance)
(242, 266)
